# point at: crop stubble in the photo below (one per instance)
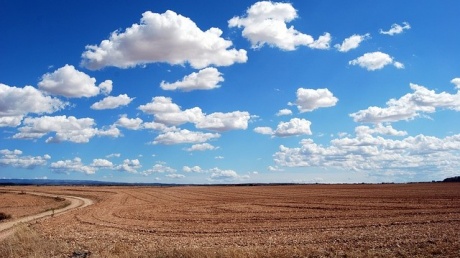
(356, 220)
(20, 204)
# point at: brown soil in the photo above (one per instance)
(400, 220)
(21, 204)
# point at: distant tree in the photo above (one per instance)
(452, 179)
(4, 216)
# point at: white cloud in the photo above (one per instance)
(106, 87)
(169, 113)
(201, 147)
(102, 163)
(220, 122)
(310, 99)
(14, 158)
(130, 123)
(159, 168)
(158, 127)
(112, 102)
(323, 42)
(166, 37)
(456, 81)
(264, 130)
(274, 168)
(206, 79)
(15, 103)
(175, 176)
(284, 112)
(376, 154)
(75, 165)
(112, 155)
(64, 128)
(352, 42)
(375, 61)
(396, 29)
(379, 129)
(398, 65)
(195, 169)
(409, 106)
(265, 23)
(225, 175)
(184, 136)
(69, 82)
(130, 166)
(294, 127)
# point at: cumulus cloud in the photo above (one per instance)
(396, 29)
(75, 165)
(175, 176)
(218, 174)
(129, 165)
(69, 82)
(102, 163)
(112, 102)
(14, 158)
(409, 106)
(167, 37)
(310, 99)
(352, 42)
(220, 122)
(15, 103)
(184, 136)
(284, 112)
(456, 81)
(171, 114)
(264, 130)
(374, 153)
(201, 147)
(206, 79)
(375, 61)
(130, 123)
(265, 22)
(78, 130)
(295, 126)
(159, 168)
(274, 169)
(195, 169)
(113, 155)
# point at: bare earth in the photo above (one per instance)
(39, 206)
(390, 220)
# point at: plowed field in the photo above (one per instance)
(388, 220)
(20, 204)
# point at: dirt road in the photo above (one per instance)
(7, 228)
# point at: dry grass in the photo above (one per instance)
(416, 220)
(26, 242)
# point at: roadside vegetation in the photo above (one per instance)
(4, 216)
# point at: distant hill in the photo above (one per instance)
(452, 179)
(69, 182)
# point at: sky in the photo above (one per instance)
(211, 92)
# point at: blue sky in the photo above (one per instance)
(230, 92)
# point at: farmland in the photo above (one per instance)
(385, 220)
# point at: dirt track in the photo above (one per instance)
(7, 227)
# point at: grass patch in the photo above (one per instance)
(26, 242)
